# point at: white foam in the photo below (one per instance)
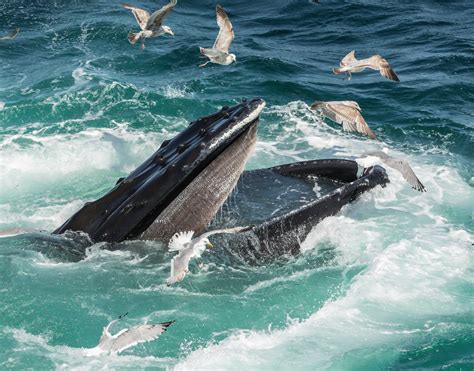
(274, 281)
(406, 279)
(97, 253)
(175, 290)
(62, 154)
(171, 91)
(33, 162)
(417, 261)
(41, 217)
(80, 76)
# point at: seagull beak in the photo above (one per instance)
(209, 245)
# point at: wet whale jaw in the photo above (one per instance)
(199, 202)
(282, 235)
(136, 201)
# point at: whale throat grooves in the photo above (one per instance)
(198, 203)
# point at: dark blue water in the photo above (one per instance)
(387, 283)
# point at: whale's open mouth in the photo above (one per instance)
(182, 186)
(209, 152)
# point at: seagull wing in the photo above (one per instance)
(403, 168)
(362, 126)
(330, 111)
(226, 31)
(138, 334)
(407, 172)
(10, 36)
(349, 103)
(180, 265)
(347, 115)
(157, 17)
(141, 15)
(348, 59)
(106, 333)
(211, 53)
(179, 240)
(107, 338)
(378, 62)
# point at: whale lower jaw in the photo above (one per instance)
(199, 202)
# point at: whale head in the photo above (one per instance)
(179, 187)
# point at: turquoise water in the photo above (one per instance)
(386, 283)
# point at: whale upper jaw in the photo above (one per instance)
(246, 118)
(136, 201)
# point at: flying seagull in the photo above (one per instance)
(219, 53)
(350, 64)
(401, 166)
(10, 36)
(190, 248)
(127, 338)
(151, 25)
(346, 113)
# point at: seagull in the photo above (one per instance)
(190, 248)
(401, 166)
(350, 64)
(345, 113)
(127, 338)
(10, 36)
(151, 25)
(219, 53)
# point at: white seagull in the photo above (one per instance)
(190, 248)
(151, 25)
(351, 64)
(10, 36)
(346, 113)
(219, 53)
(400, 165)
(127, 338)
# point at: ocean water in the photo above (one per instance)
(386, 283)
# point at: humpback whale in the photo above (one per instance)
(182, 186)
